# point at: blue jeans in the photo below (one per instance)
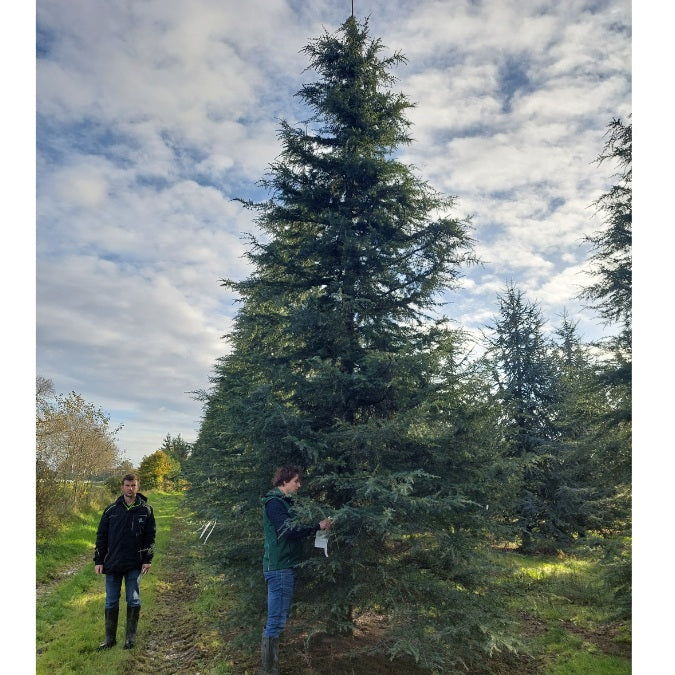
(280, 586)
(113, 588)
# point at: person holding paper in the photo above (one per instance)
(283, 552)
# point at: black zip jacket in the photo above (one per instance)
(125, 538)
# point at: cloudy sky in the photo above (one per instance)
(153, 115)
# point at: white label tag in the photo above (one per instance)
(321, 541)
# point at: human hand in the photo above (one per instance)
(326, 524)
(98, 569)
(145, 567)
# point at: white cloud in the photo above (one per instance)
(81, 186)
(555, 292)
(153, 116)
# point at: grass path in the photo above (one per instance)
(70, 601)
(183, 635)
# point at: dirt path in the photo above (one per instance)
(171, 634)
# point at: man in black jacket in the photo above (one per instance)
(124, 548)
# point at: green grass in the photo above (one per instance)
(567, 610)
(571, 655)
(570, 611)
(69, 619)
(591, 664)
(204, 601)
(63, 547)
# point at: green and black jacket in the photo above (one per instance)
(125, 539)
(283, 538)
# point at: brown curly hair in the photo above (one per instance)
(285, 473)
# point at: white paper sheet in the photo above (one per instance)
(321, 541)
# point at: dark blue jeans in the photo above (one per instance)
(280, 586)
(113, 589)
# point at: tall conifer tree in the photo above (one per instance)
(336, 360)
(611, 295)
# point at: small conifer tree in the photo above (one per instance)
(519, 357)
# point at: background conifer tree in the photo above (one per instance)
(579, 500)
(339, 363)
(519, 359)
(176, 447)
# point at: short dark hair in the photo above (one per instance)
(285, 473)
(132, 477)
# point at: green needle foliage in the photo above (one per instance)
(519, 362)
(612, 292)
(339, 362)
(611, 295)
(552, 408)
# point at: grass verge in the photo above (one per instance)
(60, 551)
(69, 615)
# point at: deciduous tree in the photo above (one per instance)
(74, 443)
(158, 470)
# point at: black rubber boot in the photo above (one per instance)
(111, 616)
(132, 626)
(269, 653)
